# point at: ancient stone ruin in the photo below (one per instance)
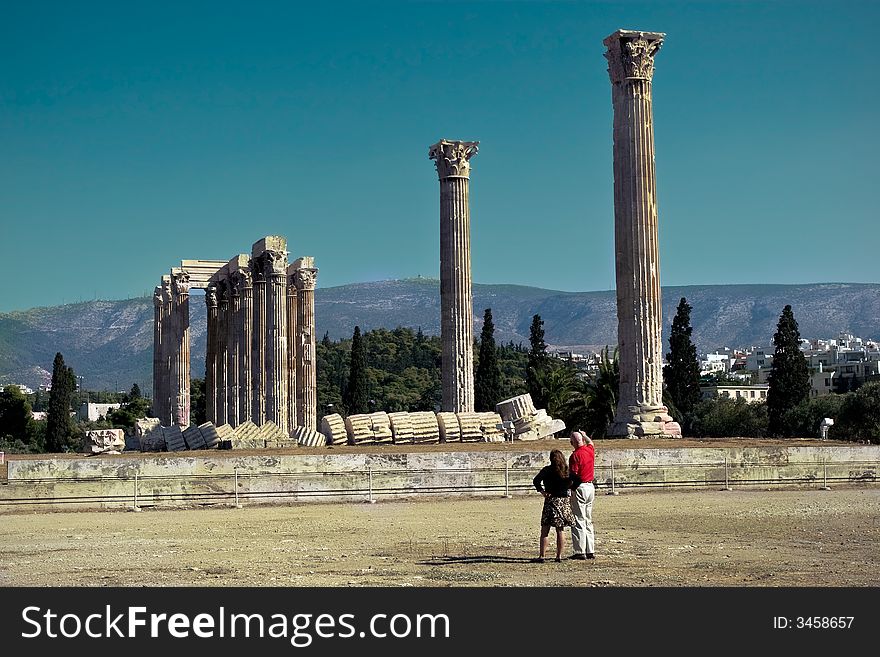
(104, 441)
(528, 423)
(260, 364)
(640, 410)
(514, 419)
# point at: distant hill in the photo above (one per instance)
(109, 343)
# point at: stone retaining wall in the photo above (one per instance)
(167, 480)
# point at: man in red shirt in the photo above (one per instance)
(580, 467)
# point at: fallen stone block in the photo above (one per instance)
(174, 439)
(333, 427)
(450, 431)
(308, 437)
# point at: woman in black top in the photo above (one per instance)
(554, 483)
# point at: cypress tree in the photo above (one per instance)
(487, 387)
(537, 361)
(681, 374)
(58, 427)
(789, 378)
(357, 394)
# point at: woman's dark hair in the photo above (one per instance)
(557, 460)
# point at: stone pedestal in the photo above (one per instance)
(640, 410)
(305, 277)
(456, 300)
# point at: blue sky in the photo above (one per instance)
(136, 134)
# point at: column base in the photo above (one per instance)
(644, 422)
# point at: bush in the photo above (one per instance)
(804, 419)
(725, 418)
(859, 417)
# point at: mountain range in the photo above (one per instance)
(109, 343)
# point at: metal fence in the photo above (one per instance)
(371, 485)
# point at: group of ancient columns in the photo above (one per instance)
(260, 346)
(640, 409)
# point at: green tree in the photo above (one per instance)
(331, 360)
(487, 387)
(859, 417)
(58, 426)
(538, 361)
(136, 406)
(681, 374)
(357, 394)
(804, 419)
(723, 417)
(16, 420)
(197, 402)
(789, 378)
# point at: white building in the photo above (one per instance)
(94, 412)
(752, 394)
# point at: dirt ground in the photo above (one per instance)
(644, 538)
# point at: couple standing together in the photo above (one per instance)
(568, 498)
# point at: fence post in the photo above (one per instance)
(613, 489)
(370, 474)
(506, 479)
(135, 507)
(825, 474)
(237, 505)
(726, 476)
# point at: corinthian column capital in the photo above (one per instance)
(180, 281)
(452, 158)
(306, 278)
(275, 263)
(245, 279)
(211, 295)
(166, 289)
(157, 296)
(630, 54)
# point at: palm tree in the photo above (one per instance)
(555, 384)
(593, 402)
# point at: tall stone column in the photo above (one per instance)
(305, 277)
(158, 319)
(233, 350)
(180, 282)
(258, 347)
(211, 354)
(169, 348)
(292, 352)
(276, 338)
(640, 409)
(222, 351)
(456, 300)
(245, 356)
